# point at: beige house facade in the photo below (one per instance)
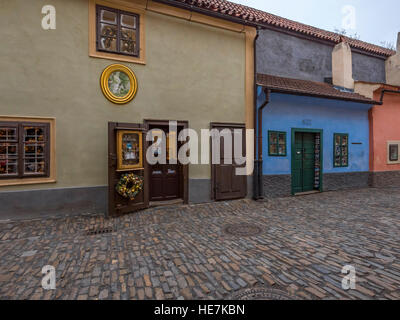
(189, 67)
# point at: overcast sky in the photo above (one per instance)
(375, 21)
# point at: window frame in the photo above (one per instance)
(118, 12)
(277, 143)
(130, 8)
(341, 155)
(20, 125)
(389, 144)
(14, 125)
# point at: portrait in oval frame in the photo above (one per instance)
(119, 84)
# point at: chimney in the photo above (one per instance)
(342, 66)
(393, 66)
(398, 42)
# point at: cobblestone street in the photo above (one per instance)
(186, 252)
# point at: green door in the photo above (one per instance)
(303, 162)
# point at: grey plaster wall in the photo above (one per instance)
(277, 186)
(387, 179)
(199, 190)
(341, 181)
(42, 203)
(285, 55)
(370, 69)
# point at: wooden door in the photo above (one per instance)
(304, 162)
(226, 184)
(165, 179)
(165, 182)
(118, 205)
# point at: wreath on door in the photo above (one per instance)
(129, 186)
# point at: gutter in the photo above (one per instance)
(388, 91)
(323, 96)
(209, 13)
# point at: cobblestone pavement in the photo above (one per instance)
(182, 252)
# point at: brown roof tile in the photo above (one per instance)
(252, 15)
(309, 88)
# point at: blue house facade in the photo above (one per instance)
(314, 137)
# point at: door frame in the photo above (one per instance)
(321, 159)
(214, 125)
(185, 167)
(112, 210)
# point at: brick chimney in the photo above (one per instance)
(393, 66)
(342, 66)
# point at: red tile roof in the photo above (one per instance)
(251, 15)
(309, 88)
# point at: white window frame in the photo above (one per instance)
(389, 143)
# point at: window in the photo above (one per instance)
(393, 152)
(117, 31)
(24, 150)
(277, 143)
(341, 150)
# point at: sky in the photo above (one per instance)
(375, 21)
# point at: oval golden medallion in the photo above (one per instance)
(119, 84)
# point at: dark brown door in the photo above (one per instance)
(118, 205)
(164, 182)
(226, 184)
(165, 179)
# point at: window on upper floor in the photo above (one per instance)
(341, 150)
(24, 150)
(277, 143)
(117, 31)
(393, 148)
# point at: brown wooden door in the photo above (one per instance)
(165, 179)
(118, 205)
(226, 184)
(164, 182)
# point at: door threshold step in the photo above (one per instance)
(166, 203)
(307, 193)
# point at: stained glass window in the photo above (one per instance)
(277, 143)
(117, 31)
(341, 150)
(23, 150)
(8, 151)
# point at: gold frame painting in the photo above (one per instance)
(120, 151)
(114, 84)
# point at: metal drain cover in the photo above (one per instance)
(262, 294)
(93, 232)
(242, 230)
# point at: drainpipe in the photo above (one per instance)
(256, 184)
(389, 91)
(260, 145)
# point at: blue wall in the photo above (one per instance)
(285, 112)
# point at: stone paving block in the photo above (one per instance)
(304, 245)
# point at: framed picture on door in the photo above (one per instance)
(129, 150)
